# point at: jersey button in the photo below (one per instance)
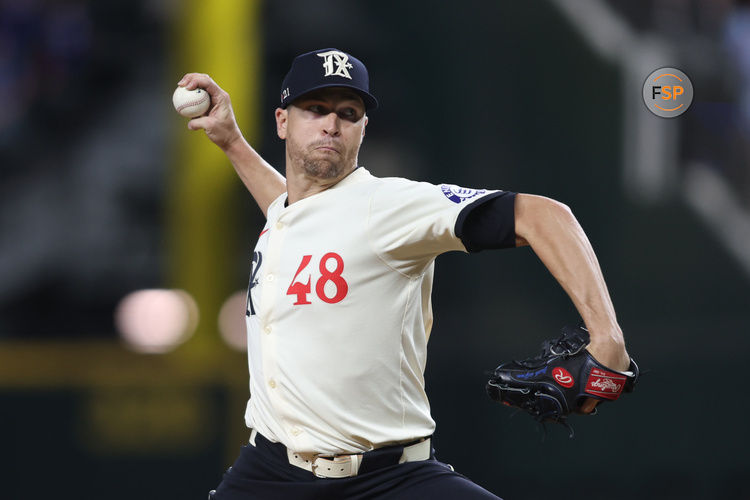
(296, 432)
(279, 225)
(272, 384)
(269, 277)
(267, 329)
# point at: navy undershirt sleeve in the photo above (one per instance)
(489, 222)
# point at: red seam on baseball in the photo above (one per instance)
(191, 103)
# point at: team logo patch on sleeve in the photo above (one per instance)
(458, 194)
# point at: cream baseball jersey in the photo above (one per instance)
(339, 314)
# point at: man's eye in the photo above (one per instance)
(348, 113)
(316, 108)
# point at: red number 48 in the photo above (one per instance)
(301, 290)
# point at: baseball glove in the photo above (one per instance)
(556, 382)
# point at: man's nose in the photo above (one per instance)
(331, 124)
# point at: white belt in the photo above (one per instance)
(337, 466)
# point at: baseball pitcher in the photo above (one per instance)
(337, 404)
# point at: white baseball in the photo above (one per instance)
(190, 103)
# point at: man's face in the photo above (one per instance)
(323, 131)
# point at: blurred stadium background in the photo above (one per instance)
(125, 239)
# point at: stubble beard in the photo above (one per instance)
(322, 169)
(319, 168)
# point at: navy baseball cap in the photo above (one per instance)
(326, 68)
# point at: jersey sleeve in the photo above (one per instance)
(410, 223)
(488, 223)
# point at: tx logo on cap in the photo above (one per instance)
(341, 62)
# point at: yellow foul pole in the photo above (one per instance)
(221, 38)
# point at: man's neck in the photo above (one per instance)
(300, 185)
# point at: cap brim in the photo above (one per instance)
(368, 99)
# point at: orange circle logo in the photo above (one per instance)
(667, 92)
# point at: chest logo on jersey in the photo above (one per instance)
(458, 194)
(257, 261)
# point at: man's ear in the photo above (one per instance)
(363, 128)
(281, 122)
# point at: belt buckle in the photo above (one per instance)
(314, 466)
(347, 463)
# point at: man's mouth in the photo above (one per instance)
(327, 147)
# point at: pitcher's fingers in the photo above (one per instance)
(187, 79)
(192, 81)
(202, 122)
(589, 405)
